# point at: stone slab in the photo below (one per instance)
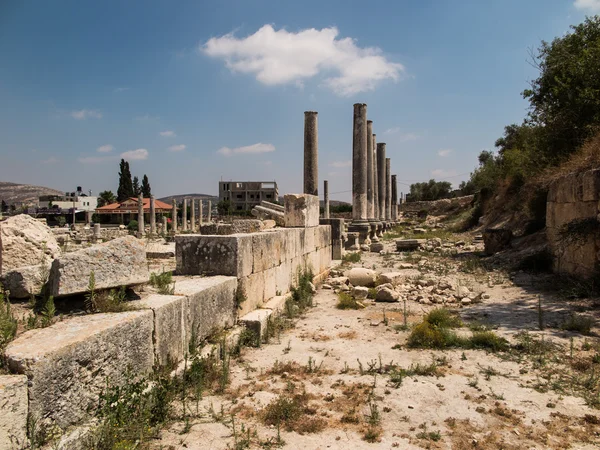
(68, 364)
(13, 412)
(257, 321)
(120, 262)
(160, 250)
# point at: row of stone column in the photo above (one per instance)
(141, 224)
(374, 189)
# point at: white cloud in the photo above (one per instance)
(282, 57)
(392, 130)
(445, 152)
(254, 148)
(105, 148)
(590, 5)
(167, 133)
(177, 148)
(121, 89)
(341, 163)
(135, 155)
(146, 118)
(51, 160)
(86, 114)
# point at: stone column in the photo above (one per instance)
(174, 217)
(359, 164)
(394, 198)
(388, 192)
(88, 218)
(152, 216)
(326, 199)
(140, 216)
(370, 179)
(184, 216)
(164, 225)
(209, 212)
(193, 216)
(311, 153)
(200, 213)
(97, 233)
(381, 179)
(375, 180)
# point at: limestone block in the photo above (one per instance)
(277, 304)
(13, 412)
(337, 227)
(566, 188)
(270, 277)
(23, 282)
(325, 236)
(253, 289)
(591, 185)
(337, 249)
(291, 243)
(69, 363)
(214, 255)
(120, 262)
(310, 242)
(267, 250)
(325, 258)
(246, 226)
(170, 345)
(284, 277)
(399, 277)
(301, 210)
(210, 306)
(26, 241)
(257, 321)
(301, 244)
(567, 212)
(403, 245)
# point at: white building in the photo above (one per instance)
(77, 200)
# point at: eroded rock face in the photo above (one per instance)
(26, 242)
(120, 262)
(13, 412)
(496, 240)
(359, 276)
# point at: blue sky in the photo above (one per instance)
(192, 91)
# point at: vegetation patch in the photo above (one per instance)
(579, 323)
(346, 301)
(163, 282)
(351, 257)
(293, 413)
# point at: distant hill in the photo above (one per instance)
(15, 193)
(179, 197)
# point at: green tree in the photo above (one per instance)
(106, 198)
(224, 207)
(431, 190)
(146, 190)
(125, 189)
(565, 98)
(136, 186)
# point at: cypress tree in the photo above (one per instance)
(146, 190)
(136, 186)
(125, 190)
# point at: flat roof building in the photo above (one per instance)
(244, 195)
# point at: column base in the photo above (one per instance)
(363, 228)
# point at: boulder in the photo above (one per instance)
(359, 276)
(408, 244)
(25, 281)
(462, 291)
(360, 292)
(26, 242)
(338, 281)
(387, 295)
(120, 262)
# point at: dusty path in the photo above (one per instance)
(341, 366)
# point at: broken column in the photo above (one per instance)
(381, 179)
(209, 212)
(97, 234)
(199, 213)
(184, 216)
(193, 216)
(326, 199)
(88, 218)
(152, 216)
(174, 217)
(388, 190)
(311, 152)
(140, 216)
(394, 198)
(359, 223)
(164, 225)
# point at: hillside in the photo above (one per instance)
(24, 193)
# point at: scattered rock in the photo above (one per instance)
(387, 295)
(326, 286)
(466, 301)
(399, 277)
(360, 292)
(360, 276)
(462, 291)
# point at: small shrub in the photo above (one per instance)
(351, 257)
(346, 301)
(302, 295)
(488, 340)
(294, 414)
(442, 318)
(132, 226)
(426, 335)
(580, 323)
(108, 301)
(163, 283)
(8, 325)
(372, 293)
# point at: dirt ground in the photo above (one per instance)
(340, 366)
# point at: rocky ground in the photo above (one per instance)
(348, 378)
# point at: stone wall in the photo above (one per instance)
(266, 264)
(573, 201)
